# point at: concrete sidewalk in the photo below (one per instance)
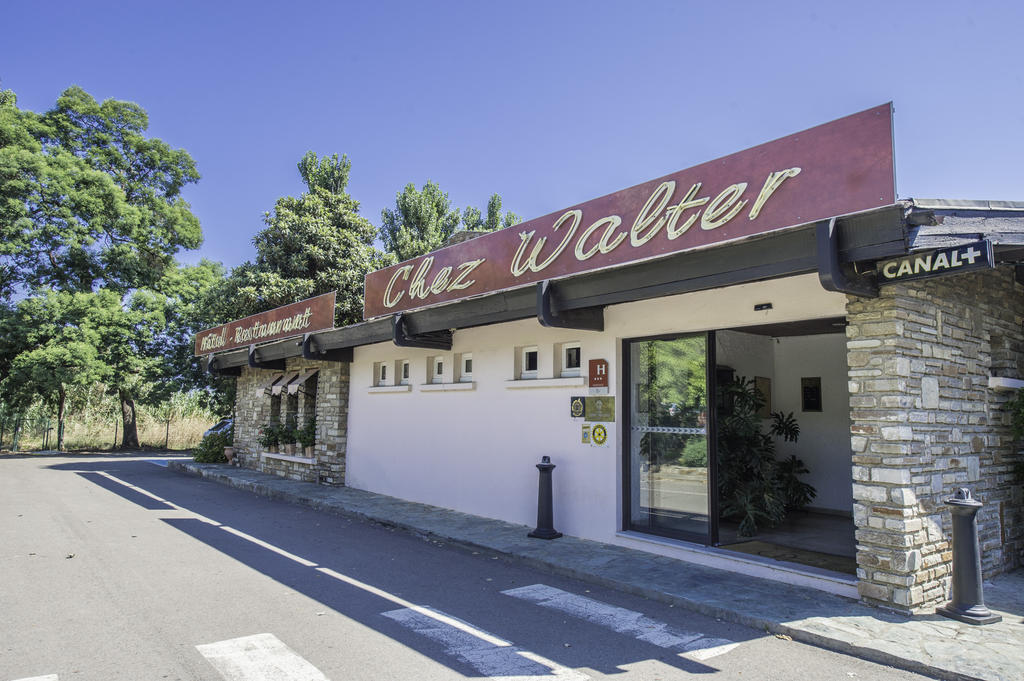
(927, 644)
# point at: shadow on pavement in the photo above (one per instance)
(418, 570)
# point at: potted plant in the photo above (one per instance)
(270, 437)
(755, 488)
(307, 437)
(288, 438)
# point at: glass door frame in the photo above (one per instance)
(712, 440)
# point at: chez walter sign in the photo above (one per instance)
(305, 316)
(838, 168)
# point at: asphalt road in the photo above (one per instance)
(113, 568)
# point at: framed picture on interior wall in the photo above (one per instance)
(764, 386)
(810, 390)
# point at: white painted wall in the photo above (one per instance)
(475, 450)
(824, 444)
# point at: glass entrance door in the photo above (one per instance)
(668, 480)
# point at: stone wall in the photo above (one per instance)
(253, 411)
(924, 422)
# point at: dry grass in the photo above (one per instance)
(181, 433)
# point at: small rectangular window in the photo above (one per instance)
(571, 357)
(529, 362)
(437, 372)
(465, 366)
(382, 373)
(405, 373)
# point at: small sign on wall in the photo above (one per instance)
(600, 409)
(577, 406)
(598, 377)
(595, 435)
(810, 392)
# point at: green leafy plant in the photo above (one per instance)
(287, 434)
(211, 447)
(270, 435)
(754, 488)
(307, 434)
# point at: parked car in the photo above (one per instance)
(223, 426)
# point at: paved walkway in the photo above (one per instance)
(927, 644)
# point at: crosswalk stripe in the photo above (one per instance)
(48, 677)
(261, 657)
(490, 655)
(692, 645)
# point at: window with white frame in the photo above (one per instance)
(465, 366)
(403, 376)
(380, 373)
(528, 358)
(436, 368)
(570, 359)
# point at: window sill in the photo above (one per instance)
(568, 382)
(289, 457)
(389, 389)
(447, 387)
(1002, 383)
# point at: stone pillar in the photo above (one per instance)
(924, 422)
(252, 410)
(332, 422)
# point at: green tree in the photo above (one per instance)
(424, 219)
(52, 350)
(89, 204)
(313, 244)
(184, 292)
(472, 218)
(421, 221)
(86, 199)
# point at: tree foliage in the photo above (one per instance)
(91, 217)
(421, 221)
(86, 199)
(472, 218)
(424, 219)
(312, 244)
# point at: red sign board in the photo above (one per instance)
(838, 168)
(306, 316)
(598, 375)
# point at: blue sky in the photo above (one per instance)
(547, 103)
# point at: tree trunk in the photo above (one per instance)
(62, 400)
(130, 437)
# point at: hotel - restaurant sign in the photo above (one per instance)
(838, 168)
(305, 316)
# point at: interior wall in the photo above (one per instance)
(824, 444)
(748, 354)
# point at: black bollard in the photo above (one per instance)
(968, 601)
(545, 513)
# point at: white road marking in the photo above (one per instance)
(495, 660)
(692, 645)
(269, 547)
(262, 657)
(149, 494)
(48, 677)
(426, 612)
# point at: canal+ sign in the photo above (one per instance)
(953, 260)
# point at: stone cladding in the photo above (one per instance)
(253, 411)
(924, 422)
